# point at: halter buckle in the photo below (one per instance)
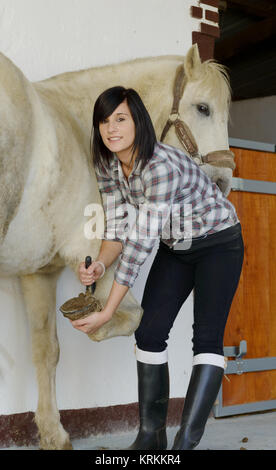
(173, 117)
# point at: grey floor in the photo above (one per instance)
(244, 432)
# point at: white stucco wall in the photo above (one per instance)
(44, 38)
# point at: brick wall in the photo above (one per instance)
(206, 11)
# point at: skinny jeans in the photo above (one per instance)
(211, 267)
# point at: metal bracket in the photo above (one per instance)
(239, 366)
(238, 352)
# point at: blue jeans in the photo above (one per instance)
(212, 267)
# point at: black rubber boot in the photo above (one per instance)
(202, 392)
(153, 394)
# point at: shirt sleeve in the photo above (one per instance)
(115, 208)
(161, 183)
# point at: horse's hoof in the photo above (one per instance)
(46, 445)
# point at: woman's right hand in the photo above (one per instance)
(94, 272)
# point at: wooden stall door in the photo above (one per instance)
(253, 313)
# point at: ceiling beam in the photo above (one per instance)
(222, 6)
(262, 8)
(242, 40)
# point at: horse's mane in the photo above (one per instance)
(214, 77)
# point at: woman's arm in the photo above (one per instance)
(117, 293)
(109, 252)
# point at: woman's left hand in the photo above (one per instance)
(92, 322)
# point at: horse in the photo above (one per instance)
(47, 181)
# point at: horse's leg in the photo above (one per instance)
(39, 292)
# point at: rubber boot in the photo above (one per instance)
(203, 389)
(153, 395)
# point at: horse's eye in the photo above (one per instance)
(203, 109)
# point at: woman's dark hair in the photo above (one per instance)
(145, 137)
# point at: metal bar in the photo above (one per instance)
(240, 365)
(253, 186)
(252, 145)
(220, 411)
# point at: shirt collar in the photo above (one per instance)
(115, 162)
(136, 168)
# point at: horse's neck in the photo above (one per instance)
(152, 78)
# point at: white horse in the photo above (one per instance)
(47, 180)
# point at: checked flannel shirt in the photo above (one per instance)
(171, 198)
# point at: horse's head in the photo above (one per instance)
(15, 139)
(199, 117)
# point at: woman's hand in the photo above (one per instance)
(95, 320)
(94, 272)
(92, 322)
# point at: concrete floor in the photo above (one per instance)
(244, 432)
(258, 430)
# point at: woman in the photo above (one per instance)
(134, 168)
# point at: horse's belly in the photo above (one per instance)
(28, 245)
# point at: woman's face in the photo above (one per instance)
(118, 132)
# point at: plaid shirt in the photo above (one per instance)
(171, 199)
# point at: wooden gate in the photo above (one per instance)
(250, 336)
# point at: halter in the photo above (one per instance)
(221, 158)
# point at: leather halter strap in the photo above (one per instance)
(221, 158)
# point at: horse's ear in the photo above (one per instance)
(192, 63)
